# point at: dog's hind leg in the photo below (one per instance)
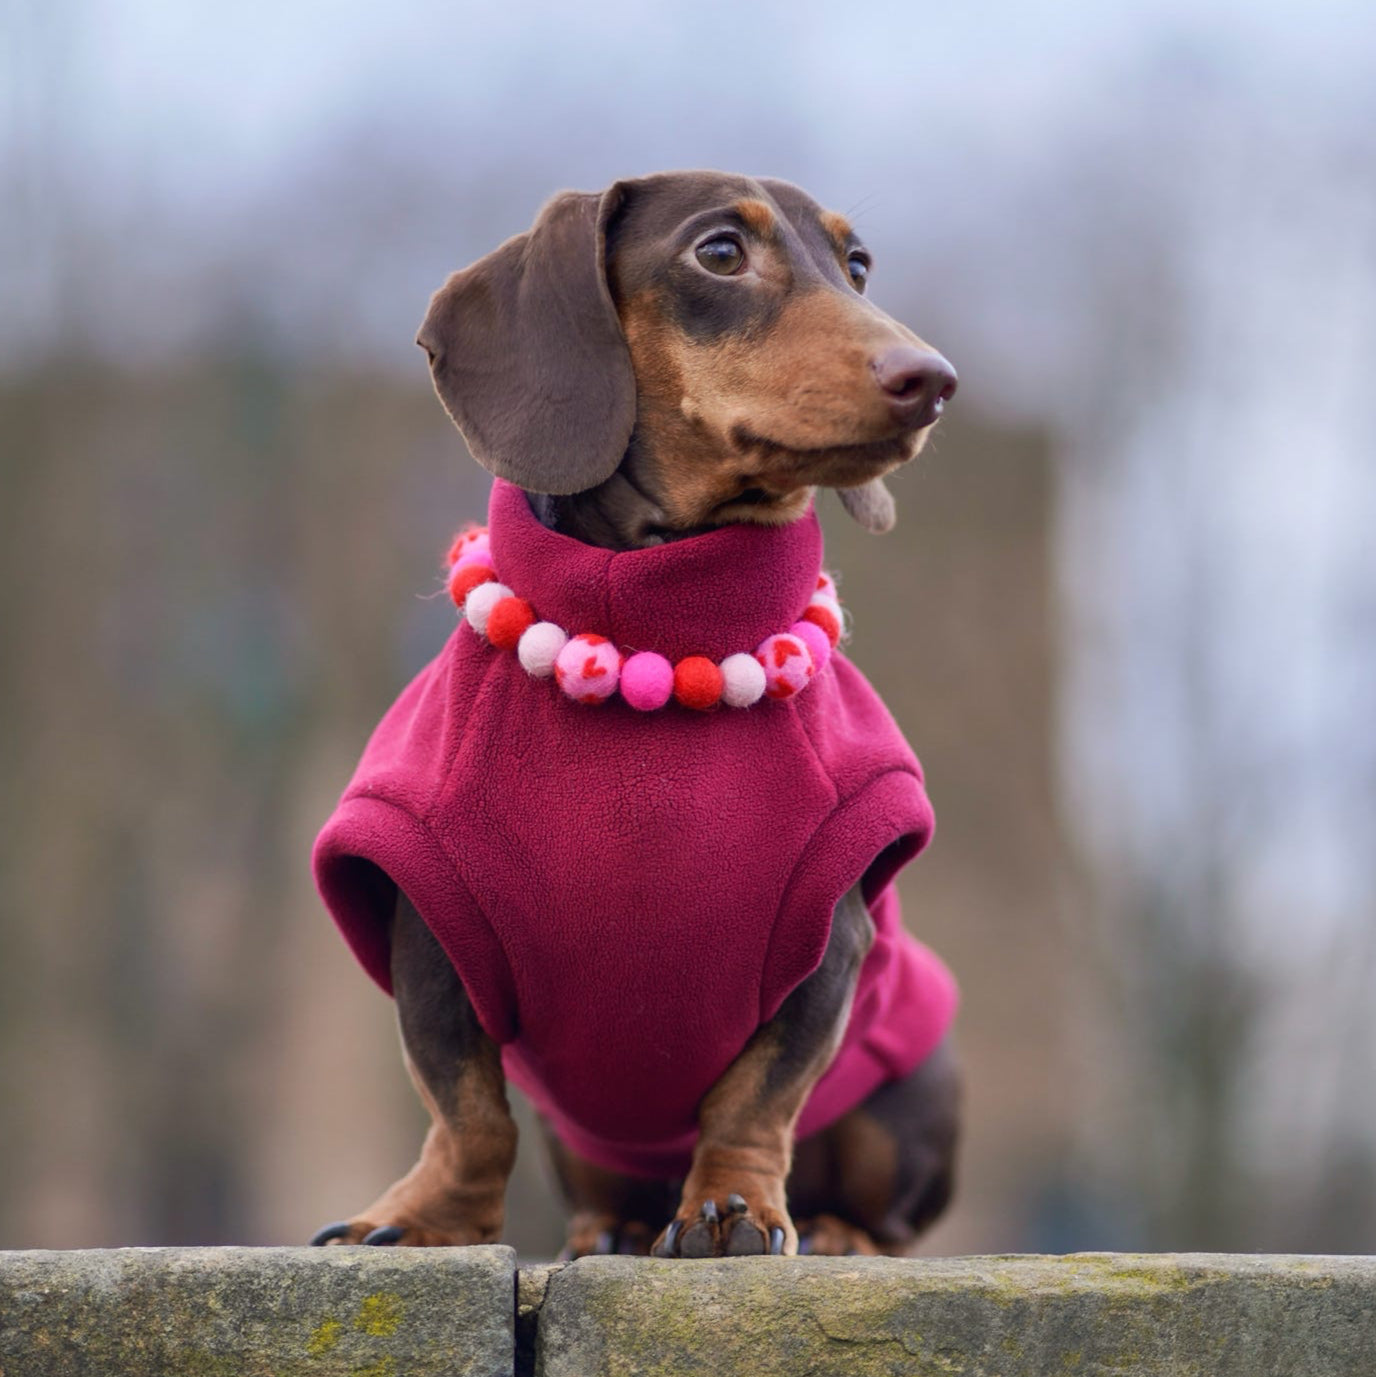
(881, 1175)
(733, 1200)
(609, 1212)
(456, 1192)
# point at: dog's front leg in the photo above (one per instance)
(734, 1198)
(456, 1192)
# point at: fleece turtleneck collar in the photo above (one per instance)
(712, 594)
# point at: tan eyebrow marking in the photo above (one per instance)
(758, 217)
(838, 227)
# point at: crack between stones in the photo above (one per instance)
(530, 1285)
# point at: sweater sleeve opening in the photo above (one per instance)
(887, 864)
(367, 899)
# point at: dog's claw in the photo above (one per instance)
(712, 1235)
(666, 1248)
(331, 1231)
(384, 1237)
(605, 1243)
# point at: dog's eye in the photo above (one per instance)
(858, 266)
(723, 255)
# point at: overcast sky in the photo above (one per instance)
(312, 142)
(253, 82)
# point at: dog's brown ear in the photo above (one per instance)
(871, 504)
(527, 352)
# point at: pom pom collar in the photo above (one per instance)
(701, 607)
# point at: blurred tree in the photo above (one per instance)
(1214, 562)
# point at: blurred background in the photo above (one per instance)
(1134, 572)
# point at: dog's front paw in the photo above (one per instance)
(360, 1231)
(425, 1209)
(403, 1233)
(735, 1229)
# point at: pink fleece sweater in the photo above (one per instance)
(627, 896)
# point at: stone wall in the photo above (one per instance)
(292, 1312)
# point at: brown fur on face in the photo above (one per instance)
(838, 227)
(741, 419)
(647, 392)
(780, 416)
(757, 217)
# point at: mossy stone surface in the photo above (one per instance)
(1090, 1315)
(397, 1312)
(246, 1312)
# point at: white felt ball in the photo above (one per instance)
(742, 680)
(539, 647)
(481, 601)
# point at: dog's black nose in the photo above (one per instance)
(917, 383)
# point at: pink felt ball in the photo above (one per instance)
(787, 664)
(816, 640)
(465, 542)
(588, 668)
(647, 681)
(473, 557)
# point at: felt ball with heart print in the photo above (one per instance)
(787, 664)
(588, 668)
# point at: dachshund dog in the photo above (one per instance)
(661, 376)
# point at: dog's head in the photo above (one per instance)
(713, 328)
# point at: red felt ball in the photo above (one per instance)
(697, 682)
(507, 621)
(463, 581)
(825, 618)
